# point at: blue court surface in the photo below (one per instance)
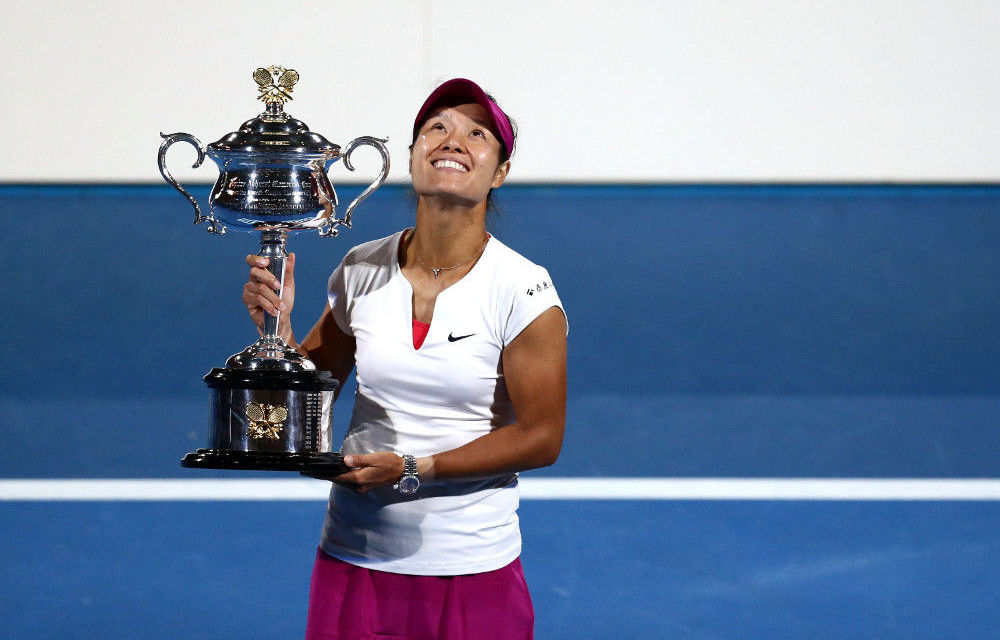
(739, 332)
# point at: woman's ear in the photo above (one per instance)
(501, 174)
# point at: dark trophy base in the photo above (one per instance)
(314, 463)
(270, 421)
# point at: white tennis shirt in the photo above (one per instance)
(428, 400)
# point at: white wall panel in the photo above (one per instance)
(603, 91)
(92, 85)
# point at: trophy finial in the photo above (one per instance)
(275, 84)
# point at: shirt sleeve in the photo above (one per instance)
(534, 294)
(337, 298)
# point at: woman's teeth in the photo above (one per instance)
(449, 164)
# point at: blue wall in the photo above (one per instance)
(715, 330)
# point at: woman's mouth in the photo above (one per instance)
(449, 164)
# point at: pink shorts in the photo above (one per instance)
(351, 603)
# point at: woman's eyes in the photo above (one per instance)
(439, 126)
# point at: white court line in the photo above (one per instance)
(177, 489)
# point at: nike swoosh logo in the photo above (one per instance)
(452, 338)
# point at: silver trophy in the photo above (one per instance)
(271, 408)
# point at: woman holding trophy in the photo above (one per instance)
(460, 349)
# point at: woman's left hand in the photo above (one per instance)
(371, 470)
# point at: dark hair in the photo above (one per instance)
(505, 154)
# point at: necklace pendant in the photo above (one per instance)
(437, 271)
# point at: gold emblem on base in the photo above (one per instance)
(265, 420)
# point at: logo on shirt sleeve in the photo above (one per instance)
(541, 286)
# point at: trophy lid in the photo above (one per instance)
(274, 131)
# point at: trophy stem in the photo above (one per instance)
(270, 351)
(272, 247)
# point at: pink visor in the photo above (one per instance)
(459, 90)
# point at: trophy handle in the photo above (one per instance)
(169, 139)
(379, 143)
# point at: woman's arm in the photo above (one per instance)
(534, 366)
(329, 348)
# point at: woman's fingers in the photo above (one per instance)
(259, 272)
(256, 295)
(370, 471)
(263, 276)
(262, 289)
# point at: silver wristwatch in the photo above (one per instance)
(409, 482)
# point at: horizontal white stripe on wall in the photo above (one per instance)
(175, 489)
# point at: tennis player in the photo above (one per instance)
(460, 348)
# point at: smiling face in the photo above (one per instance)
(456, 155)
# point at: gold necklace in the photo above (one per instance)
(437, 270)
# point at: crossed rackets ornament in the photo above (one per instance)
(265, 420)
(275, 83)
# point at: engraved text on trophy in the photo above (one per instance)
(277, 191)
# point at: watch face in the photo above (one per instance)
(408, 484)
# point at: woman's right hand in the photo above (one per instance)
(260, 294)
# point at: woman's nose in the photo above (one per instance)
(452, 144)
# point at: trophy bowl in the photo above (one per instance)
(271, 408)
